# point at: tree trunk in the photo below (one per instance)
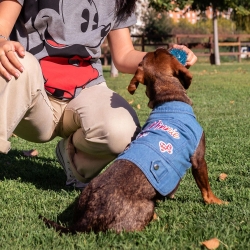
(114, 71)
(216, 38)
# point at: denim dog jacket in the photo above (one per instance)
(165, 145)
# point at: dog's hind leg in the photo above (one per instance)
(133, 217)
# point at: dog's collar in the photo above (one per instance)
(174, 107)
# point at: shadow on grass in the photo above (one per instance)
(44, 173)
(66, 217)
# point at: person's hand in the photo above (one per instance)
(10, 66)
(191, 57)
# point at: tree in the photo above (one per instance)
(242, 23)
(241, 15)
(240, 7)
(157, 26)
(168, 5)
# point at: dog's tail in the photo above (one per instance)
(57, 227)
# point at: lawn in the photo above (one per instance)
(221, 101)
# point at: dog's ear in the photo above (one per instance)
(138, 78)
(185, 76)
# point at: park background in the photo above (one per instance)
(30, 186)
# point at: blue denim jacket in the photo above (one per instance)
(165, 145)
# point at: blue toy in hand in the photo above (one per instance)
(181, 55)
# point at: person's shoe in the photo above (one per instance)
(63, 159)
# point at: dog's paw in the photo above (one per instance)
(216, 200)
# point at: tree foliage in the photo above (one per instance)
(241, 7)
(204, 26)
(242, 23)
(157, 26)
(241, 15)
(161, 5)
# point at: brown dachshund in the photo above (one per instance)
(123, 197)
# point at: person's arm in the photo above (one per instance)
(9, 63)
(126, 58)
(9, 12)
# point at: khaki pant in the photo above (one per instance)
(102, 122)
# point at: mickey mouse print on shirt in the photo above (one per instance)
(65, 36)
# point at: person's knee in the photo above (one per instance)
(32, 75)
(32, 70)
(120, 136)
(111, 139)
(29, 61)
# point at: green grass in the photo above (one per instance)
(221, 100)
